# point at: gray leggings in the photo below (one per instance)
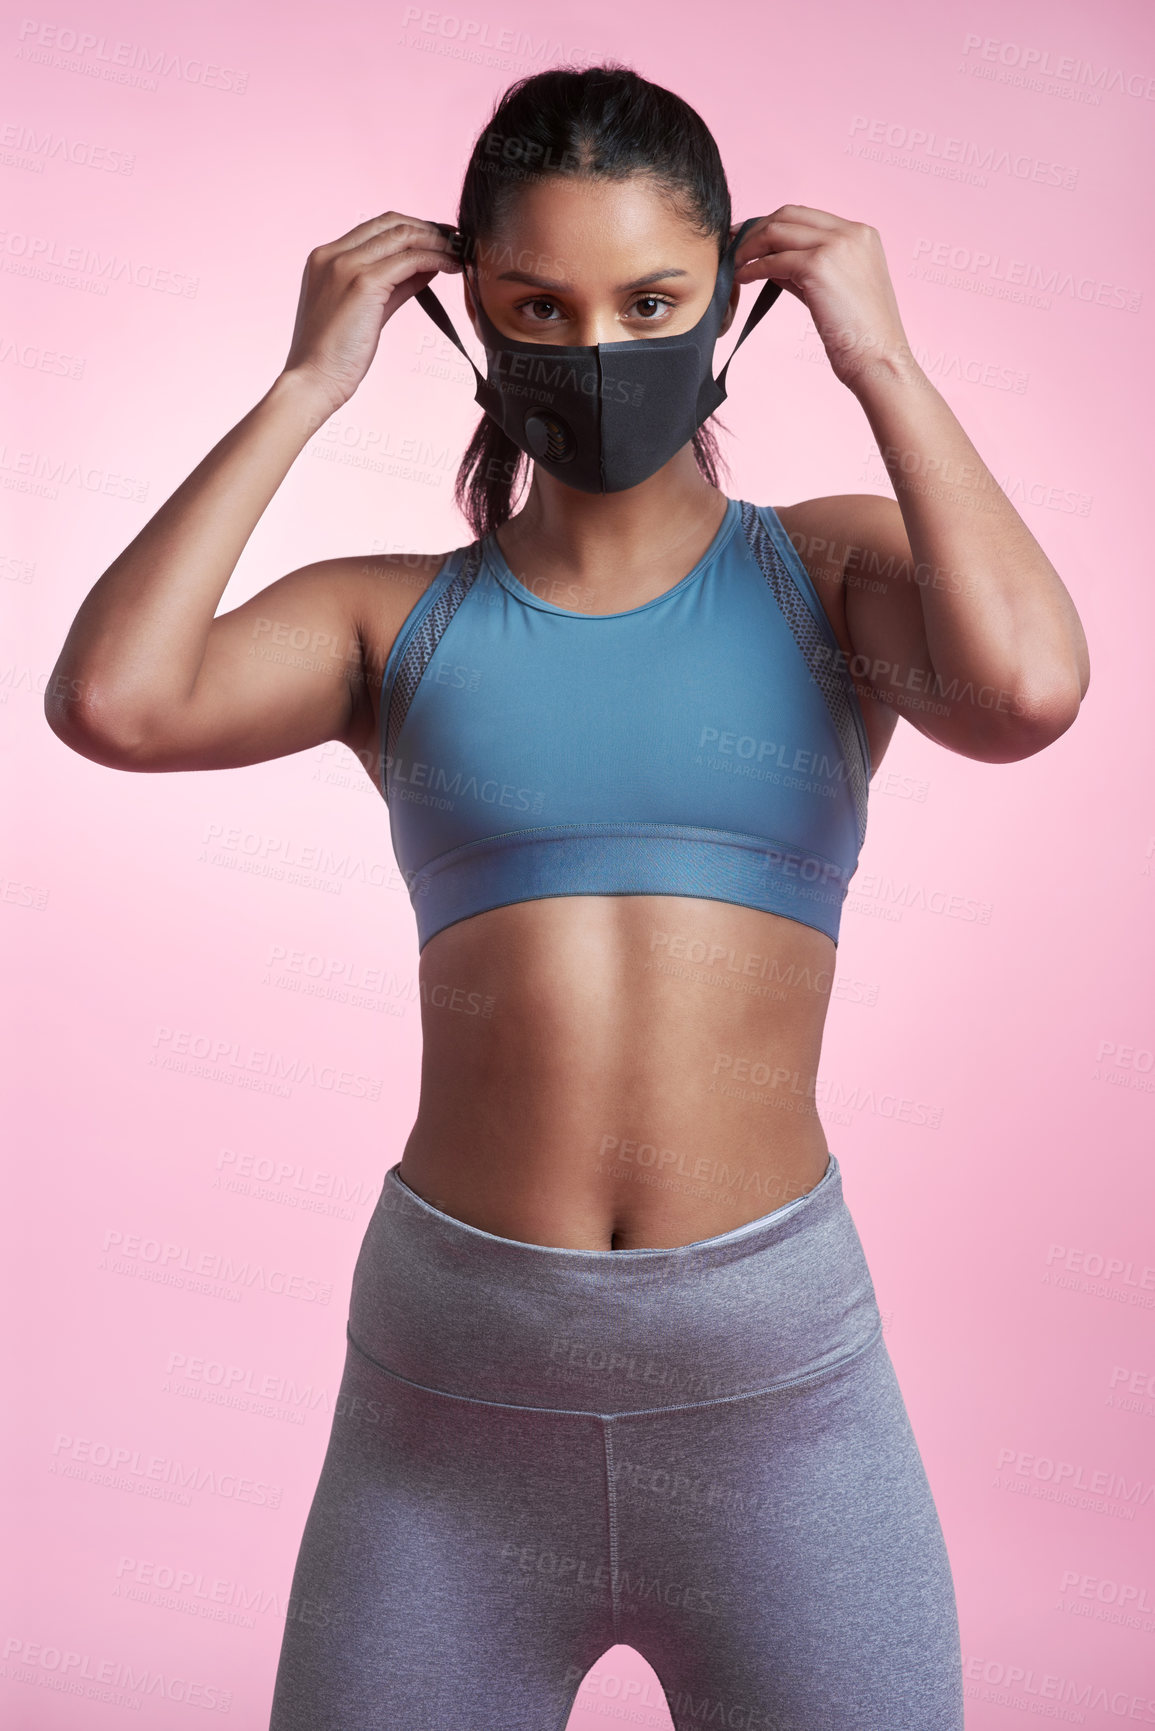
(701, 1452)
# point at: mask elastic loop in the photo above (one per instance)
(440, 317)
(767, 297)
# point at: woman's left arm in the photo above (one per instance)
(974, 597)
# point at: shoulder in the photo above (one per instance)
(852, 544)
(384, 588)
(380, 592)
(839, 535)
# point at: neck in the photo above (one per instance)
(599, 538)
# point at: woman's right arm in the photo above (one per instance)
(148, 678)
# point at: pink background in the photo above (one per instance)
(988, 1069)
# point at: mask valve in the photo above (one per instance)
(548, 437)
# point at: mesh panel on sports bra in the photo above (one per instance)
(419, 650)
(819, 657)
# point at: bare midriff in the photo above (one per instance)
(619, 1072)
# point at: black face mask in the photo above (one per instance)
(606, 416)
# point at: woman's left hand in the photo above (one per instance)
(838, 270)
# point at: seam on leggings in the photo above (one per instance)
(612, 1506)
(633, 1412)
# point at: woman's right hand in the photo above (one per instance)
(351, 287)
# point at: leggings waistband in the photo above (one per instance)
(463, 1312)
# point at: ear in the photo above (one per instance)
(731, 308)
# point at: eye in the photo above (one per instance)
(655, 301)
(538, 301)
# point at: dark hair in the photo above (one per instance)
(604, 122)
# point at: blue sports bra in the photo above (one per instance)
(709, 743)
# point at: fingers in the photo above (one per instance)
(791, 239)
(398, 267)
(793, 243)
(394, 232)
(781, 267)
(796, 225)
(806, 213)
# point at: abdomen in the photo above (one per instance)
(619, 1071)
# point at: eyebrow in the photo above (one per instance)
(563, 288)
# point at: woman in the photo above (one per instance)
(615, 1369)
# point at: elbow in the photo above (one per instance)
(1048, 694)
(1055, 709)
(64, 709)
(1042, 718)
(91, 726)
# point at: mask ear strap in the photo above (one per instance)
(427, 299)
(769, 294)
